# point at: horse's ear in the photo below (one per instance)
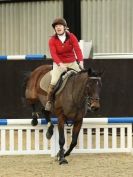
(92, 72)
(101, 73)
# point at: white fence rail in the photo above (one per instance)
(93, 138)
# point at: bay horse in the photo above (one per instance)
(79, 94)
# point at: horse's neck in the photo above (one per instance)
(79, 85)
(72, 99)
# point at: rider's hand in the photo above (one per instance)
(62, 67)
(81, 64)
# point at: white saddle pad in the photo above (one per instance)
(45, 81)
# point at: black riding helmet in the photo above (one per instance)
(60, 21)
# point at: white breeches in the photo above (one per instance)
(57, 71)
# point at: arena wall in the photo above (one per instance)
(116, 96)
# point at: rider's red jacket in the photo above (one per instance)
(65, 52)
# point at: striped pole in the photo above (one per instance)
(23, 57)
(109, 120)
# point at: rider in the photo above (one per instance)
(65, 52)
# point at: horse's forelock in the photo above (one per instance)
(91, 72)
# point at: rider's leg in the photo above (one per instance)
(74, 65)
(56, 72)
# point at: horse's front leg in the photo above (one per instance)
(75, 133)
(60, 154)
(50, 125)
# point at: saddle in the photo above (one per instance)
(46, 79)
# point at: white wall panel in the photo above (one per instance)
(109, 24)
(25, 27)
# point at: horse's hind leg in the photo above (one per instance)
(35, 116)
(47, 115)
(75, 133)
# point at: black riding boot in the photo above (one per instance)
(48, 105)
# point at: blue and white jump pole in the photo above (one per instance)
(109, 120)
(23, 57)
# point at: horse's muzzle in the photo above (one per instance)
(94, 106)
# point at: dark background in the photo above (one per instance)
(116, 96)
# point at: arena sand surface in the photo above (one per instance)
(86, 165)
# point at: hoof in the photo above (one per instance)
(34, 122)
(48, 135)
(63, 161)
(50, 132)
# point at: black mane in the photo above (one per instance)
(91, 72)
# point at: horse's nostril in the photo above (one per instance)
(94, 108)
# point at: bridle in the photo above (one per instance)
(90, 98)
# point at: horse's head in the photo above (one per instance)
(93, 89)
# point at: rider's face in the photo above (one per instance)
(59, 29)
